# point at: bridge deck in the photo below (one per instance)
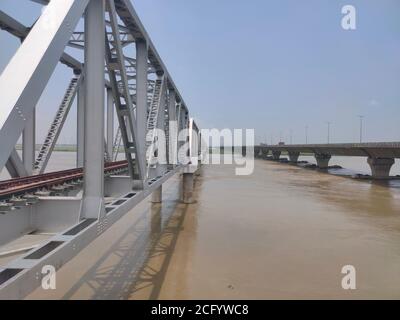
(373, 150)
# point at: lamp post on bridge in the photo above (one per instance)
(306, 129)
(329, 130)
(361, 127)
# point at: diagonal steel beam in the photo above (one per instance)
(131, 20)
(119, 64)
(17, 29)
(57, 125)
(12, 26)
(15, 166)
(31, 67)
(155, 120)
(44, 2)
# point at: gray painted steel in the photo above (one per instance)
(15, 166)
(77, 214)
(110, 123)
(27, 78)
(80, 124)
(29, 143)
(93, 188)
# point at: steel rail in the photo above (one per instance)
(49, 175)
(25, 185)
(25, 180)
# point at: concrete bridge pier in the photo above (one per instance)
(187, 187)
(276, 154)
(294, 157)
(156, 196)
(322, 160)
(380, 167)
(264, 152)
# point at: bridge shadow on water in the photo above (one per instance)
(143, 254)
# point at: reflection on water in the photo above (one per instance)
(284, 232)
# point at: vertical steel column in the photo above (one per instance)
(141, 98)
(28, 143)
(80, 125)
(183, 118)
(173, 128)
(93, 190)
(160, 125)
(178, 122)
(110, 123)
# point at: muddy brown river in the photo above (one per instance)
(283, 232)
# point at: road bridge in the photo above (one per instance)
(380, 155)
(121, 75)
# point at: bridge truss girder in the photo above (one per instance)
(78, 216)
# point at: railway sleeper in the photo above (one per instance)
(16, 202)
(5, 207)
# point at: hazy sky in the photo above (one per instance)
(271, 65)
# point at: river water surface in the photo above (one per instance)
(283, 232)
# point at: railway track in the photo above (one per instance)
(23, 191)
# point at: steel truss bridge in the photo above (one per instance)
(121, 74)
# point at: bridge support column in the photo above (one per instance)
(141, 99)
(93, 189)
(187, 187)
(264, 152)
(322, 160)
(28, 143)
(80, 125)
(294, 157)
(172, 128)
(156, 196)
(276, 154)
(380, 167)
(110, 123)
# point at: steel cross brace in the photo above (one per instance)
(123, 102)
